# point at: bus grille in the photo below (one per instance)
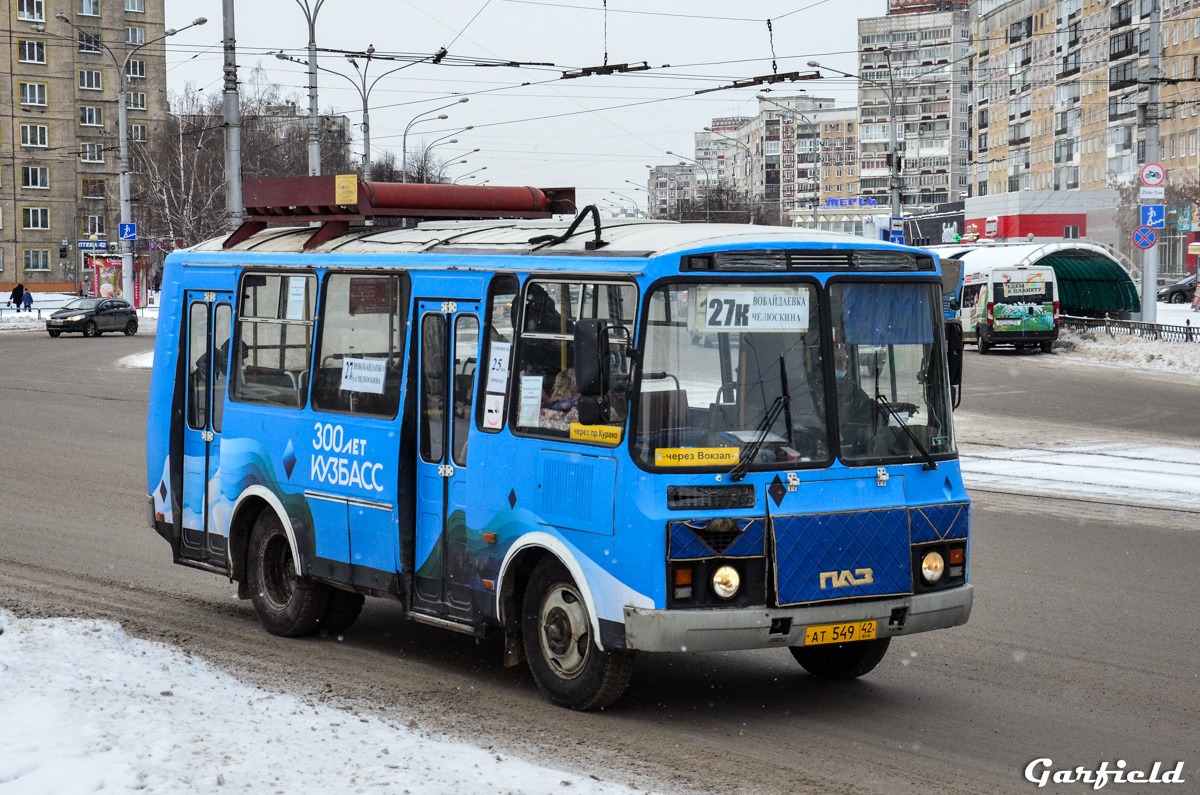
(701, 498)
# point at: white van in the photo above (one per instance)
(1009, 305)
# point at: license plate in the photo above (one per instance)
(53, 322)
(839, 633)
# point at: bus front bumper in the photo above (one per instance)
(763, 628)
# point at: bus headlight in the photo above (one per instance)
(726, 581)
(932, 566)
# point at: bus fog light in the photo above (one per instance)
(932, 566)
(726, 581)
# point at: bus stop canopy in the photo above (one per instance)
(1091, 283)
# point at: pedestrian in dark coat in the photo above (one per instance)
(14, 298)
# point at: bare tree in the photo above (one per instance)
(727, 205)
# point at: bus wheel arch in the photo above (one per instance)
(249, 506)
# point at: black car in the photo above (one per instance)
(93, 316)
(1180, 292)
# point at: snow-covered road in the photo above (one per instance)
(84, 708)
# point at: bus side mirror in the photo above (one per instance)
(954, 359)
(591, 359)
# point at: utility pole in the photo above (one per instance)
(1150, 255)
(314, 113)
(233, 124)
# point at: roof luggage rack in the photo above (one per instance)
(337, 201)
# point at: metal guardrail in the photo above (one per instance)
(1146, 331)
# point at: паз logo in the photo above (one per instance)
(844, 579)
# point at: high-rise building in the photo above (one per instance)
(915, 62)
(60, 178)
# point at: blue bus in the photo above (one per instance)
(593, 440)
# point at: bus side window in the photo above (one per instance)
(466, 353)
(275, 335)
(497, 353)
(360, 350)
(222, 323)
(198, 366)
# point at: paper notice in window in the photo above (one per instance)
(764, 308)
(498, 367)
(296, 296)
(531, 401)
(363, 375)
(493, 412)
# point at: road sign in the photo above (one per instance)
(898, 237)
(1144, 237)
(128, 232)
(85, 245)
(1154, 215)
(1153, 175)
(897, 224)
(1149, 193)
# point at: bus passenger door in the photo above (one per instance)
(209, 327)
(449, 356)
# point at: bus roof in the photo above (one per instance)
(624, 238)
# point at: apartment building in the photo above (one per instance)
(916, 62)
(59, 173)
(668, 186)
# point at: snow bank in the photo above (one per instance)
(86, 708)
(1129, 352)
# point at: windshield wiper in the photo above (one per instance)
(781, 403)
(929, 462)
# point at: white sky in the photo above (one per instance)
(598, 147)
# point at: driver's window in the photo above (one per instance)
(547, 397)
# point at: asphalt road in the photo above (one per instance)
(1083, 646)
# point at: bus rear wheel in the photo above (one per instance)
(841, 660)
(566, 663)
(285, 604)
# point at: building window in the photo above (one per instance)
(31, 10)
(89, 42)
(137, 132)
(135, 100)
(136, 6)
(37, 259)
(135, 34)
(35, 218)
(92, 188)
(34, 135)
(91, 79)
(1071, 232)
(91, 225)
(136, 69)
(88, 8)
(91, 152)
(35, 177)
(32, 93)
(31, 51)
(91, 115)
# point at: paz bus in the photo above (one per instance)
(511, 424)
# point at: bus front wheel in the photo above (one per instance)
(568, 667)
(285, 604)
(841, 660)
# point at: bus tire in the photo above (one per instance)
(285, 604)
(568, 667)
(342, 611)
(841, 660)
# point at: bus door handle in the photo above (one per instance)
(445, 470)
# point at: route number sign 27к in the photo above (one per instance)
(762, 308)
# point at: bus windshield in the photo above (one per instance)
(719, 359)
(890, 376)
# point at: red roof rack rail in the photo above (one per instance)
(338, 200)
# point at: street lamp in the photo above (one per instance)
(707, 184)
(122, 66)
(889, 92)
(417, 120)
(812, 126)
(314, 116)
(750, 194)
(468, 174)
(637, 211)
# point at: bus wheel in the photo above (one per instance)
(568, 667)
(285, 605)
(342, 612)
(841, 660)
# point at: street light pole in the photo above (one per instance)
(122, 66)
(314, 116)
(750, 159)
(637, 211)
(707, 185)
(416, 120)
(231, 99)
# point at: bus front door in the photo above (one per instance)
(449, 355)
(209, 327)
